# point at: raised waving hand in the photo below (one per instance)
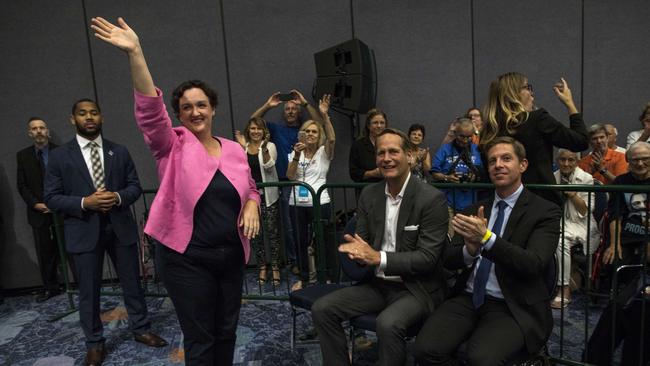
(124, 38)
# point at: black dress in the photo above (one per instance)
(362, 159)
(539, 134)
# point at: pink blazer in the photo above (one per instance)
(185, 169)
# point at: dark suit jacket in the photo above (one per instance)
(68, 180)
(521, 259)
(418, 255)
(538, 135)
(29, 179)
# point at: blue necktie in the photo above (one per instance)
(483, 272)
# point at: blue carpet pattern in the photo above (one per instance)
(263, 336)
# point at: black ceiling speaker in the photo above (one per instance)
(347, 72)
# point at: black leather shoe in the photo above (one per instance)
(150, 339)
(46, 295)
(95, 356)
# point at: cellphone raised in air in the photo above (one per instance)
(286, 97)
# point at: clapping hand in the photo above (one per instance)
(596, 160)
(472, 228)
(239, 137)
(359, 250)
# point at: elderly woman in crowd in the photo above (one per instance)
(309, 163)
(206, 208)
(580, 227)
(421, 156)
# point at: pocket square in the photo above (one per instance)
(411, 227)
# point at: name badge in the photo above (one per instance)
(303, 194)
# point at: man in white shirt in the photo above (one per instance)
(401, 233)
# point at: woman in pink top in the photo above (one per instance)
(206, 208)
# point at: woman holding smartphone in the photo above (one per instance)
(309, 163)
(510, 112)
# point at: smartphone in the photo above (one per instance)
(302, 135)
(286, 97)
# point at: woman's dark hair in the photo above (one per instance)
(370, 115)
(645, 110)
(474, 109)
(415, 127)
(190, 84)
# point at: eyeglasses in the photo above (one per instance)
(529, 87)
(641, 159)
(464, 137)
(472, 115)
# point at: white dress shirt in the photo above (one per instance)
(85, 151)
(492, 287)
(389, 243)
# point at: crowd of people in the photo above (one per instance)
(208, 213)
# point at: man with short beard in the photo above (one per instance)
(31, 163)
(93, 182)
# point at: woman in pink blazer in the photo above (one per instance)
(205, 211)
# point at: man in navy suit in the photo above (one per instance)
(504, 246)
(93, 182)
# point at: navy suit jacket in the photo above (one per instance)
(68, 180)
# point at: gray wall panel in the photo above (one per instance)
(44, 67)
(616, 73)
(424, 64)
(541, 39)
(424, 59)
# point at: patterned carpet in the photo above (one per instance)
(28, 338)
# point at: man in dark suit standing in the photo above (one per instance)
(504, 245)
(93, 182)
(401, 233)
(31, 163)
